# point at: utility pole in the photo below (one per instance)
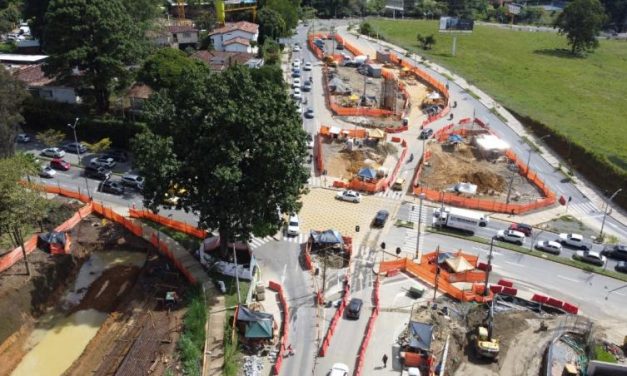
(78, 151)
(509, 189)
(607, 206)
(239, 298)
(421, 196)
(489, 268)
(437, 272)
(531, 150)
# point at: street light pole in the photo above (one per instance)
(607, 206)
(78, 151)
(487, 272)
(531, 150)
(421, 196)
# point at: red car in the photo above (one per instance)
(59, 164)
(522, 227)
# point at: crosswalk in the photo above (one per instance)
(585, 209)
(394, 195)
(257, 242)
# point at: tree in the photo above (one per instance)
(616, 12)
(51, 137)
(271, 24)
(100, 146)
(164, 68)
(9, 15)
(431, 8)
(287, 10)
(234, 142)
(21, 205)
(97, 36)
(12, 96)
(581, 22)
(426, 42)
(34, 11)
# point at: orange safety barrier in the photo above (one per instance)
(318, 154)
(361, 356)
(168, 222)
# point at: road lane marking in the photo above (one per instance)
(516, 264)
(568, 278)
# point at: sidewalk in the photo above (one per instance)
(580, 183)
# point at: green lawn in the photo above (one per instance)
(584, 99)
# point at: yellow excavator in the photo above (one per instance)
(486, 346)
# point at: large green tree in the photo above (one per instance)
(9, 15)
(21, 205)
(35, 11)
(287, 9)
(96, 36)
(616, 12)
(271, 25)
(164, 68)
(581, 22)
(234, 141)
(12, 96)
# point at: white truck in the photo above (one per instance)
(459, 219)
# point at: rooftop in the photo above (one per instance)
(19, 58)
(242, 25)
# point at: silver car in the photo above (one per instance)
(348, 195)
(549, 247)
(53, 152)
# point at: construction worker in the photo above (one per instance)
(385, 360)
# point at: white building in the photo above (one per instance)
(184, 36)
(236, 37)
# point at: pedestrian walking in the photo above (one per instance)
(385, 360)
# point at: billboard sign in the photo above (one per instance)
(514, 8)
(449, 24)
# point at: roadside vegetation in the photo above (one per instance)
(192, 341)
(535, 75)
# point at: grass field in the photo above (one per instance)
(531, 73)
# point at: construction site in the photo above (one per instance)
(344, 158)
(111, 306)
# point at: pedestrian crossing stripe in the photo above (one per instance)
(256, 242)
(395, 195)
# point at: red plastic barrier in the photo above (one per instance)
(509, 291)
(555, 303)
(506, 283)
(496, 289)
(483, 266)
(276, 368)
(570, 308)
(275, 286)
(396, 139)
(392, 273)
(361, 356)
(539, 298)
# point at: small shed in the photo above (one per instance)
(255, 325)
(374, 70)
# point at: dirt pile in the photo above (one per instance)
(485, 181)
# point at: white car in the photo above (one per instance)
(339, 369)
(53, 152)
(296, 64)
(348, 195)
(134, 181)
(590, 257)
(307, 67)
(297, 94)
(47, 172)
(22, 138)
(549, 246)
(293, 225)
(296, 48)
(574, 241)
(511, 236)
(296, 83)
(310, 141)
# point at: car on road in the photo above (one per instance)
(296, 83)
(53, 152)
(102, 161)
(348, 195)
(297, 94)
(297, 48)
(339, 369)
(573, 241)
(511, 236)
(296, 72)
(113, 187)
(621, 266)
(307, 67)
(426, 134)
(522, 227)
(307, 86)
(549, 246)
(47, 172)
(293, 225)
(71, 147)
(380, 218)
(60, 164)
(590, 257)
(353, 309)
(133, 180)
(309, 113)
(310, 141)
(22, 138)
(96, 172)
(615, 251)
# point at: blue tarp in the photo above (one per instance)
(420, 335)
(367, 173)
(455, 138)
(327, 237)
(444, 256)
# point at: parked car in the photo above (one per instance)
(590, 257)
(47, 172)
(380, 218)
(353, 309)
(309, 114)
(432, 110)
(573, 241)
(310, 141)
(22, 138)
(60, 164)
(339, 369)
(621, 266)
(306, 86)
(511, 236)
(297, 94)
(132, 180)
(296, 48)
(426, 134)
(53, 152)
(339, 46)
(96, 172)
(616, 251)
(296, 83)
(113, 187)
(549, 246)
(293, 226)
(118, 155)
(296, 72)
(71, 147)
(522, 227)
(307, 67)
(348, 195)
(102, 161)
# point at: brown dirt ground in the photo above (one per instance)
(450, 165)
(344, 164)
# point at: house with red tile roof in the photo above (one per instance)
(236, 37)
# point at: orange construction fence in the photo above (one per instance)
(284, 332)
(168, 222)
(361, 355)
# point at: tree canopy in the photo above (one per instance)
(581, 22)
(12, 96)
(616, 12)
(96, 36)
(233, 141)
(164, 68)
(271, 24)
(9, 14)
